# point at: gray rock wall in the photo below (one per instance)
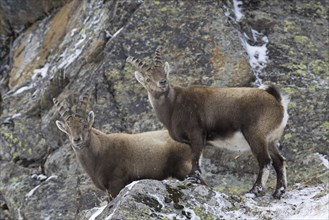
(71, 46)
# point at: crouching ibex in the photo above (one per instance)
(197, 115)
(115, 160)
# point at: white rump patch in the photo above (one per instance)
(236, 142)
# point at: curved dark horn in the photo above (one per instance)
(138, 64)
(64, 113)
(158, 57)
(84, 101)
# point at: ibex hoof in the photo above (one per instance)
(278, 193)
(257, 191)
(194, 178)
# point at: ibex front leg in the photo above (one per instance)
(197, 144)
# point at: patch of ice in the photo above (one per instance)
(68, 60)
(86, 20)
(324, 159)
(107, 34)
(40, 73)
(237, 9)
(20, 217)
(250, 195)
(23, 89)
(317, 210)
(51, 177)
(193, 215)
(16, 115)
(257, 57)
(29, 194)
(98, 211)
(73, 32)
(81, 40)
(157, 197)
(116, 33)
(296, 204)
(39, 177)
(130, 186)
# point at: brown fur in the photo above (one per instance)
(196, 115)
(115, 160)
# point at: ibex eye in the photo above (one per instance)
(148, 80)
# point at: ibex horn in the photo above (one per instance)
(83, 103)
(138, 64)
(158, 57)
(64, 114)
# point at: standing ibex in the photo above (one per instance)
(114, 160)
(197, 115)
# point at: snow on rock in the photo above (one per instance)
(324, 159)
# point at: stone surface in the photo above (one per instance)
(83, 45)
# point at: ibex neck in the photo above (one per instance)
(163, 105)
(88, 157)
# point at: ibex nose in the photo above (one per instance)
(77, 140)
(163, 82)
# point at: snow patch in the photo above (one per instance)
(257, 52)
(257, 57)
(73, 32)
(23, 89)
(40, 178)
(51, 177)
(29, 194)
(157, 197)
(130, 185)
(193, 216)
(68, 60)
(237, 9)
(324, 159)
(116, 33)
(40, 73)
(98, 211)
(302, 203)
(37, 74)
(16, 115)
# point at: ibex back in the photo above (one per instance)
(197, 115)
(115, 160)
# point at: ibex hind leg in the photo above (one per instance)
(259, 148)
(279, 164)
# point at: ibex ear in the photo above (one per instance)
(139, 77)
(91, 118)
(167, 68)
(61, 126)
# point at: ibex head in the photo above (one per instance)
(76, 126)
(154, 78)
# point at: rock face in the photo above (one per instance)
(67, 47)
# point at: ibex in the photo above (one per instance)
(198, 115)
(115, 160)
